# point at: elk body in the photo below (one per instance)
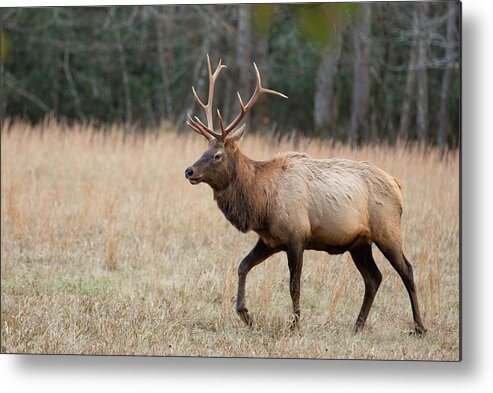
(296, 203)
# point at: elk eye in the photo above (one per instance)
(217, 156)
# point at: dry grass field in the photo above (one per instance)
(107, 249)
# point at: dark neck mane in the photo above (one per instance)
(245, 201)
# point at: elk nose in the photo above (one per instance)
(188, 172)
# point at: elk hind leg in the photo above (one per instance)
(393, 252)
(363, 259)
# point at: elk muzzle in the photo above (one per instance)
(191, 175)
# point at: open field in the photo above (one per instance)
(107, 249)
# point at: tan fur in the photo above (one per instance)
(324, 203)
(247, 202)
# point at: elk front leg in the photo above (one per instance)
(258, 254)
(295, 263)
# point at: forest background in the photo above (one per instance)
(354, 72)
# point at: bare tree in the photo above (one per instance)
(9, 81)
(325, 105)
(244, 51)
(164, 24)
(71, 84)
(125, 82)
(447, 75)
(422, 71)
(261, 56)
(361, 75)
(405, 118)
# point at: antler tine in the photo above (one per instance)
(198, 98)
(199, 131)
(209, 67)
(221, 124)
(196, 127)
(212, 83)
(263, 89)
(241, 101)
(208, 107)
(204, 127)
(198, 124)
(259, 90)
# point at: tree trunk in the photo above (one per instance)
(422, 72)
(244, 55)
(447, 76)
(405, 119)
(260, 116)
(361, 76)
(163, 39)
(71, 84)
(325, 97)
(125, 82)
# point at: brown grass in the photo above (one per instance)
(107, 249)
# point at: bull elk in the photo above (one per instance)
(295, 203)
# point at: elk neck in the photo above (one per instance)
(245, 201)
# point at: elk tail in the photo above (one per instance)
(399, 183)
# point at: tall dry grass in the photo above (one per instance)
(107, 249)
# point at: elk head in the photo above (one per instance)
(217, 163)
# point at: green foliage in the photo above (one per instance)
(4, 45)
(318, 22)
(262, 16)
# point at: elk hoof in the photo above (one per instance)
(294, 324)
(245, 316)
(358, 327)
(419, 331)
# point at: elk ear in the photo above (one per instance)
(236, 136)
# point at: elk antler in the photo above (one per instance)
(196, 124)
(259, 90)
(208, 130)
